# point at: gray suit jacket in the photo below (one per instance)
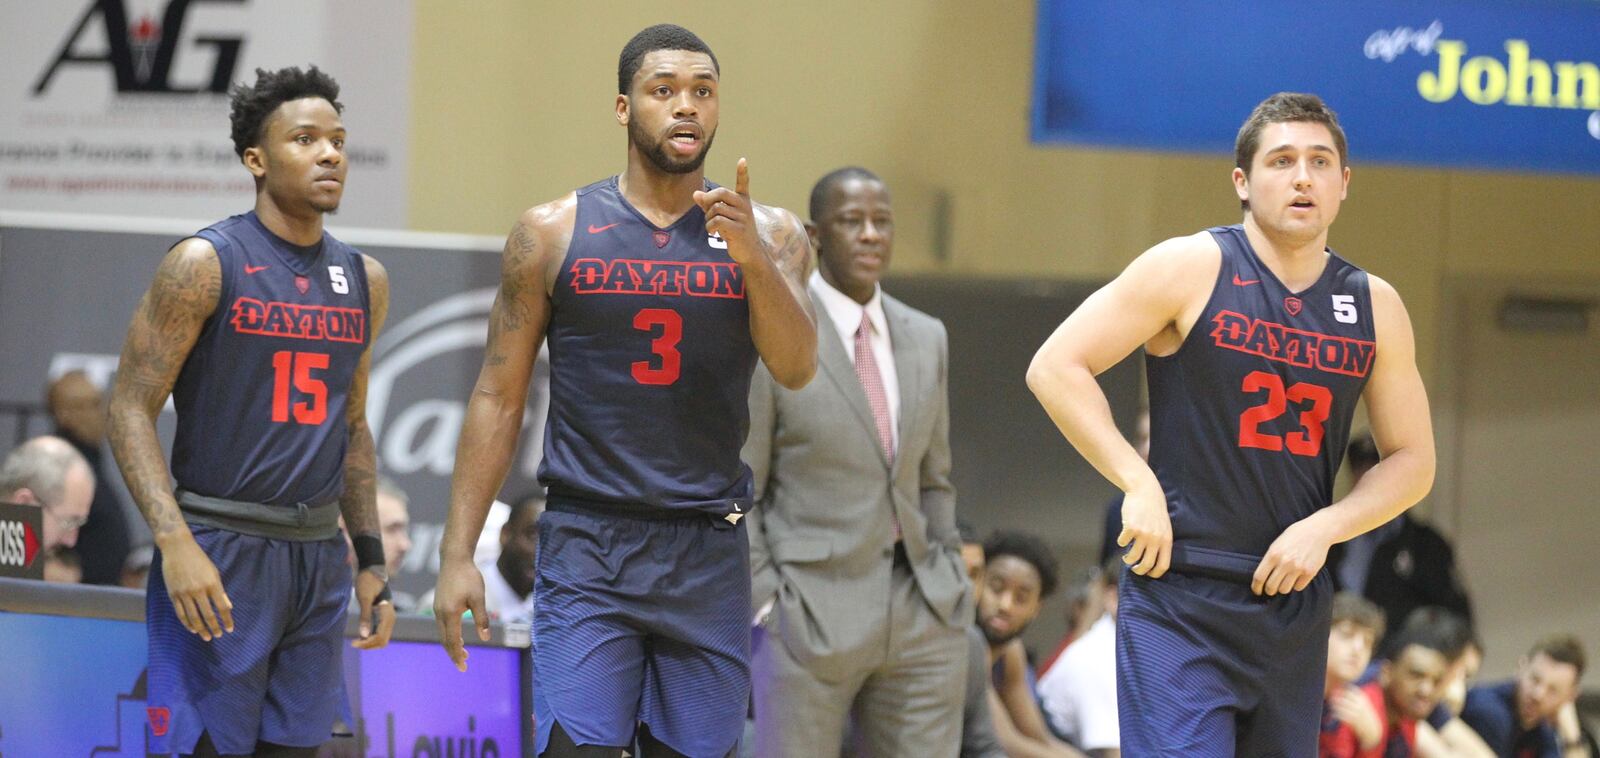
(821, 539)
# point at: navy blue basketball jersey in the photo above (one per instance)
(650, 363)
(261, 399)
(1249, 418)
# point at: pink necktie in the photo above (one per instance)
(872, 383)
(877, 399)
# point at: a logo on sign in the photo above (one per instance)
(141, 55)
(160, 720)
(19, 544)
(1520, 80)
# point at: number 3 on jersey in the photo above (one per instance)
(1308, 440)
(664, 346)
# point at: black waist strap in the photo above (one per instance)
(639, 512)
(297, 523)
(1217, 564)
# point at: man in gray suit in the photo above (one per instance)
(857, 577)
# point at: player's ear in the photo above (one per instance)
(255, 161)
(1241, 184)
(623, 110)
(24, 496)
(811, 231)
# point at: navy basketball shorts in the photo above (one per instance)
(278, 677)
(1207, 668)
(642, 621)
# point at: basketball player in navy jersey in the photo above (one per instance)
(259, 327)
(657, 292)
(1259, 341)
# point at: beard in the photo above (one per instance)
(656, 152)
(995, 639)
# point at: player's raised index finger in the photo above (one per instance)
(741, 178)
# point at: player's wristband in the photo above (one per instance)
(384, 596)
(369, 551)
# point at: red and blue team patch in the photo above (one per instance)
(160, 720)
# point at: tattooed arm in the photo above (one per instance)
(163, 330)
(359, 503)
(532, 258)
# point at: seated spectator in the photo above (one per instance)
(78, 409)
(1018, 574)
(1534, 714)
(508, 580)
(61, 566)
(1079, 693)
(1442, 734)
(1350, 726)
(1410, 685)
(50, 473)
(394, 523)
(978, 739)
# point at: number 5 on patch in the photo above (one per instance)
(1344, 309)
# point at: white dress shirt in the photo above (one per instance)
(1079, 692)
(846, 315)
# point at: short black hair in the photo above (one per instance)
(1362, 452)
(1434, 628)
(651, 39)
(251, 105)
(819, 191)
(1028, 548)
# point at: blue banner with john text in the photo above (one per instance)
(1493, 84)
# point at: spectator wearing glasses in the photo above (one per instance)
(49, 473)
(78, 409)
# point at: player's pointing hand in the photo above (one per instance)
(730, 214)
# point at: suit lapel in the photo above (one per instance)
(906, 366)
(837, 365)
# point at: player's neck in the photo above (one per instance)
(304, 231)
(1297, 262)
(660, 196)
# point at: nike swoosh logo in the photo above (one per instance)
(249, 269)
(1244, 282)
(598, 229)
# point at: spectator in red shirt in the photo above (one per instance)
(1351, 727)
